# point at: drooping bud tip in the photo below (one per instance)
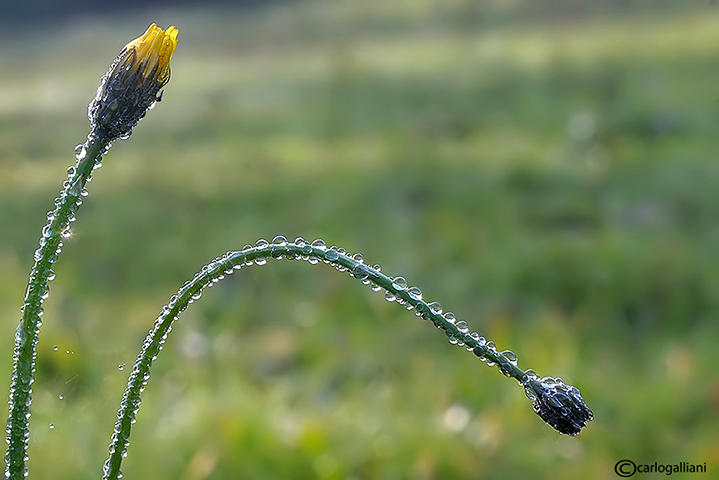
(558, 404)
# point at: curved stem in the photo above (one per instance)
(26, 336)
(550, 396)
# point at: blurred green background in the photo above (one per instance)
(546, 170)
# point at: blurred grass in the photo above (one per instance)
(552, 181)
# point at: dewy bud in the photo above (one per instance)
(133, 83)
(560, 405)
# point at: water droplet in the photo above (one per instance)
(505, 368)
(55, 348)
(332, 254)
(435, 308)
(52, 426)
(531, 375)
(450, 318)
(358, 257)
(279, 240)
(415, 293)
(399, 283)
(422, 310)
(529, 392)
(80, 151)
(510, 356)
(121, 366)
(462, 326)
(319, 243)
(71, 171)
(389, 296)
(360, 271)
(61, 397)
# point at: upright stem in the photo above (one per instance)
(26, 336)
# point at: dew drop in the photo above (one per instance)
(422, 310)
(80, 151)
(435, 308)
(121, 367)
(332, 254)
(531, 375)
(279, 240)
(415, 293)
(389, 296)
(462, 326)
(529, 392)
(55, 348)
(505, 368)
(360, 271)
(61, 397)
(52, 426)
(319, 243)
(510, 356)
(399, 283)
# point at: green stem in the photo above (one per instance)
(26, 336)
(395, 288)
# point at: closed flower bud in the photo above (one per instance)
(132, 84)
(558, 404)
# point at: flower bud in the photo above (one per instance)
(558, 404)
(132, 84)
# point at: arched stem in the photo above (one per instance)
(560, 405)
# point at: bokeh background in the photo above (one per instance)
(545, 169)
